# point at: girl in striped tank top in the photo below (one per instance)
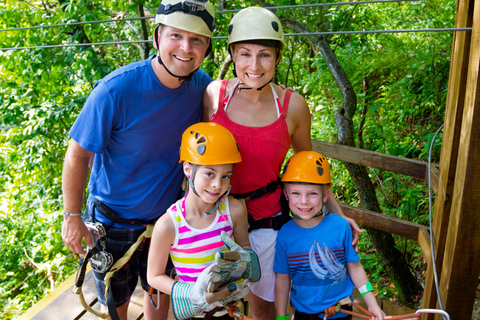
(190, 230)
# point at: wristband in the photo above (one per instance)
(365, 288)
(71, 214)
(285, 317)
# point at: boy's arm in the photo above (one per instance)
(360, 278)
(162, 239)
(282, 289)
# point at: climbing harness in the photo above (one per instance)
(102, 261)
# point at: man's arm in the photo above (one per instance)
(74, 178)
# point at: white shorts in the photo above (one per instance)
(263, 243)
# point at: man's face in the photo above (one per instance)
(182, 52)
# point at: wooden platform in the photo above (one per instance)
(63, 304)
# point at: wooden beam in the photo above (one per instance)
(449, 152)
(409, 167)
(383, 222)
(461, 264)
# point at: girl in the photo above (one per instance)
(190, 230)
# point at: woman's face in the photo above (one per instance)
(255, 64)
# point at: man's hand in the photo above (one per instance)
(73, 231)
(355, 231)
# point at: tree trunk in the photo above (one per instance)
(394, 261)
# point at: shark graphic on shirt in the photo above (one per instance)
(332, 269)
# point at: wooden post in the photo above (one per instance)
(457, 221)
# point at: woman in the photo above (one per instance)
(265, 120)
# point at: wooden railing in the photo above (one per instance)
(409, 167)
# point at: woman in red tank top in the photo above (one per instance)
(265, 120)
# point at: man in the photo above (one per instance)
(131, 125)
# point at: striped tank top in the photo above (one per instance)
(194, 249)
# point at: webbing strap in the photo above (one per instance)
(126, 257)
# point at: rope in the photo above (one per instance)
(225, 37)
(216, 12)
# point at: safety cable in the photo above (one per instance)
(225, 37)
(216, 12)
(435, 276)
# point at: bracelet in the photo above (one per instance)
(365, 288)
(285, 317)
(71, 214)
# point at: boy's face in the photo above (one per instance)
(211, 181)
(306, 200)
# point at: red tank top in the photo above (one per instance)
(263, 151)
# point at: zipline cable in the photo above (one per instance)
(430, 219)
(216, 12)
(225, 37)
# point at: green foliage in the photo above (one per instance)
(43, 90)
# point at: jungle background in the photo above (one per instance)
(399, 81)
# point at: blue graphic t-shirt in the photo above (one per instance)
(316, 261)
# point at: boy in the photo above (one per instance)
(313, 250)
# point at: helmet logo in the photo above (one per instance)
(275, 26)
(201, 140)
(319, 163)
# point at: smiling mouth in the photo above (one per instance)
(183, 59)
(254, 76)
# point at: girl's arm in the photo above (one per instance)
(240, 223)
(360, 278)
(162, 239)
(282, 290)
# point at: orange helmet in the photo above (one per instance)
(307, 167)
(208, 143)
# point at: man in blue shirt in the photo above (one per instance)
(131, 127)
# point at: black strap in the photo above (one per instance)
(111, 215)
(112, 309)
(260, 192)
(274, 223)
(81, 271)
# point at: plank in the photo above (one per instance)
(383, 222)
(451, 137)
(62, 303)
(461, 264)
(409, 167)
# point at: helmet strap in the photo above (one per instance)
(191, 184)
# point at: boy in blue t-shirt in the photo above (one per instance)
(313, 251)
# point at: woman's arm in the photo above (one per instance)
(162, 239)
(282, 290)
(210, 100)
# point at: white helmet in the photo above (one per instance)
(197, 16)
(255, 23)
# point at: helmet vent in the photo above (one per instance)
(230, 29)
(275, 26)
(320, 171)
(201, 149)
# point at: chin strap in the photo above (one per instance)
(188, 77)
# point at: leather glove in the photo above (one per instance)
(232, 265)
(191, 300)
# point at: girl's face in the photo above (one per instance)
(255, 64)
(306, 200)
(211, 181)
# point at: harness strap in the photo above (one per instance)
(260, 192)
(111, 215)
